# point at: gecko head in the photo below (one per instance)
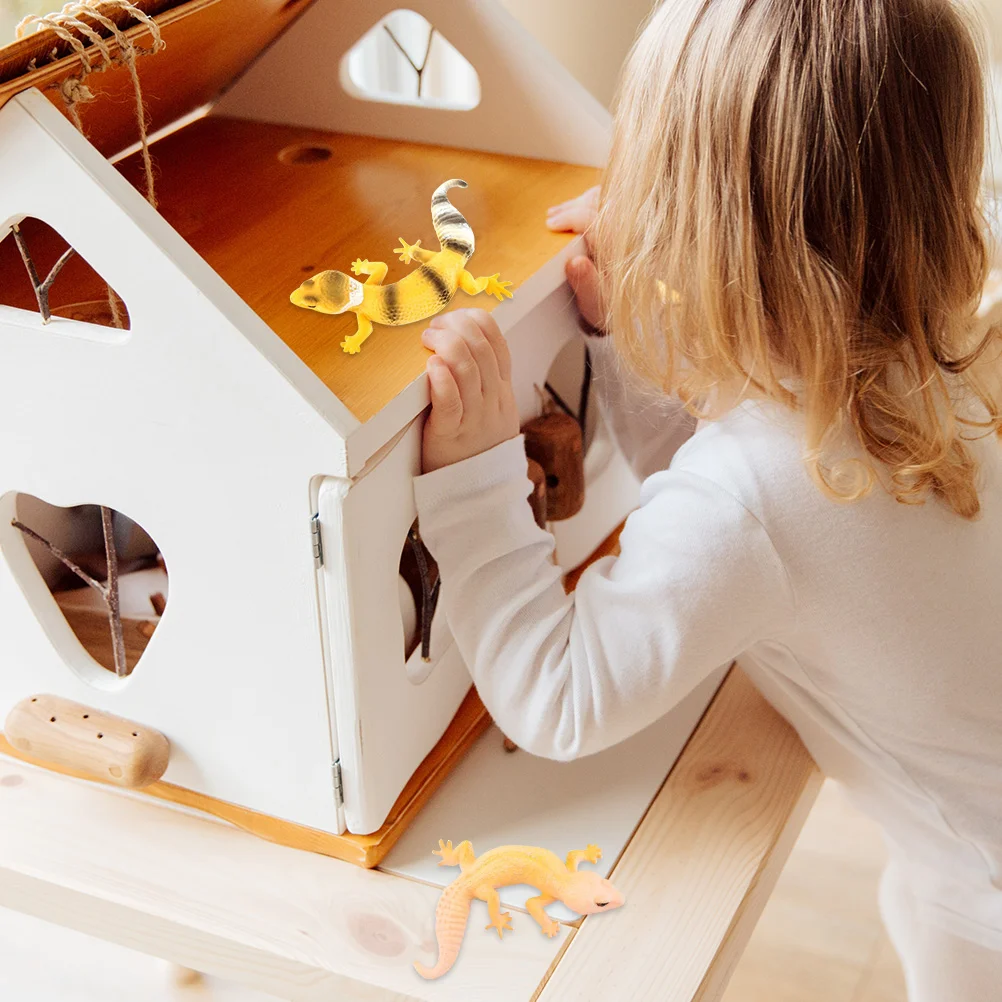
(329, 292)
(590, 894)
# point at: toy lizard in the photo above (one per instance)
(582, 891)
(424, 292)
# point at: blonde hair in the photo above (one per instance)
(792, 210)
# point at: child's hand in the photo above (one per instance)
(472, 402)
(577, 216)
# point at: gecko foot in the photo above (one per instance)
(449, 855)
(592, 853)
(406, 250)
(502, 923)
(501, 290)
(351, 345)
(551, 928)
(359, 266)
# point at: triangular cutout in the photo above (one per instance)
(77, 292)
(404, 59)
(61, 539)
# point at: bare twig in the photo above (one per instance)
(429, 590)
(424, 62)
(60, 556)
(109, 591)
(41, 288)
(112, 596)
(419, 70)
(559, 401)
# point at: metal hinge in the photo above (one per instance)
(338, 783)
(318, 540)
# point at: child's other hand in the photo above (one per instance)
(577, 216)
(472, 402)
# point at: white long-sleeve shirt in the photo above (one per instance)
(874, 627)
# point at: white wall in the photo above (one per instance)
(590, 37)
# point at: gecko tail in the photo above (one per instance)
(451, 916)
(451, 228)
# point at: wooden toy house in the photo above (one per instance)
(272, 470)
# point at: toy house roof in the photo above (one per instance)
(234, 186)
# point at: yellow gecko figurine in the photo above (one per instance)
(582, 891)
(424, 292)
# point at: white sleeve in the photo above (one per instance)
(698, 581)
(647, 427)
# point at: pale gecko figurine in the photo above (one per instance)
(583, 891)
(424, 292)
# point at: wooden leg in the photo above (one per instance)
(185, 977)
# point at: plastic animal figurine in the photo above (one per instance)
(582, 891)
(419, 295)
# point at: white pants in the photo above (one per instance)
(939, 966)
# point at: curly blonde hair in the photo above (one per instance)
(793, 210)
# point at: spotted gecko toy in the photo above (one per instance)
(582, 891)
(424, 292)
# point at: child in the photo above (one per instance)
(790, 242)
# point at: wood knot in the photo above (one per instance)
(377, 934)
(11, 780)
(719, 772)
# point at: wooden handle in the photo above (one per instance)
(59, 732)
(537, 499)
(555, 442)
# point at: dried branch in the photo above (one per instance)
(419, 70)
(41, 288)
(112, 596)
(109, 591)
(60, 556)
(429, 590)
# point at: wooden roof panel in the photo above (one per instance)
(208, 44)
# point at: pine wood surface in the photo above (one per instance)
(820, 938)
(265, 225)
(182, 887)
(211, 898)
(470, 721)
(701, 866)
(208, 43)
(88, 741)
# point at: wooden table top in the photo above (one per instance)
(696, 875)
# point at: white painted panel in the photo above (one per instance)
(496, 798)
(213, 454)
(386, 723)
(530, 104)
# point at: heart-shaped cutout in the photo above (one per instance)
(104, 573)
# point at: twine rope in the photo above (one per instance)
(68, 24)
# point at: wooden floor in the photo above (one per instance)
(820, 938)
